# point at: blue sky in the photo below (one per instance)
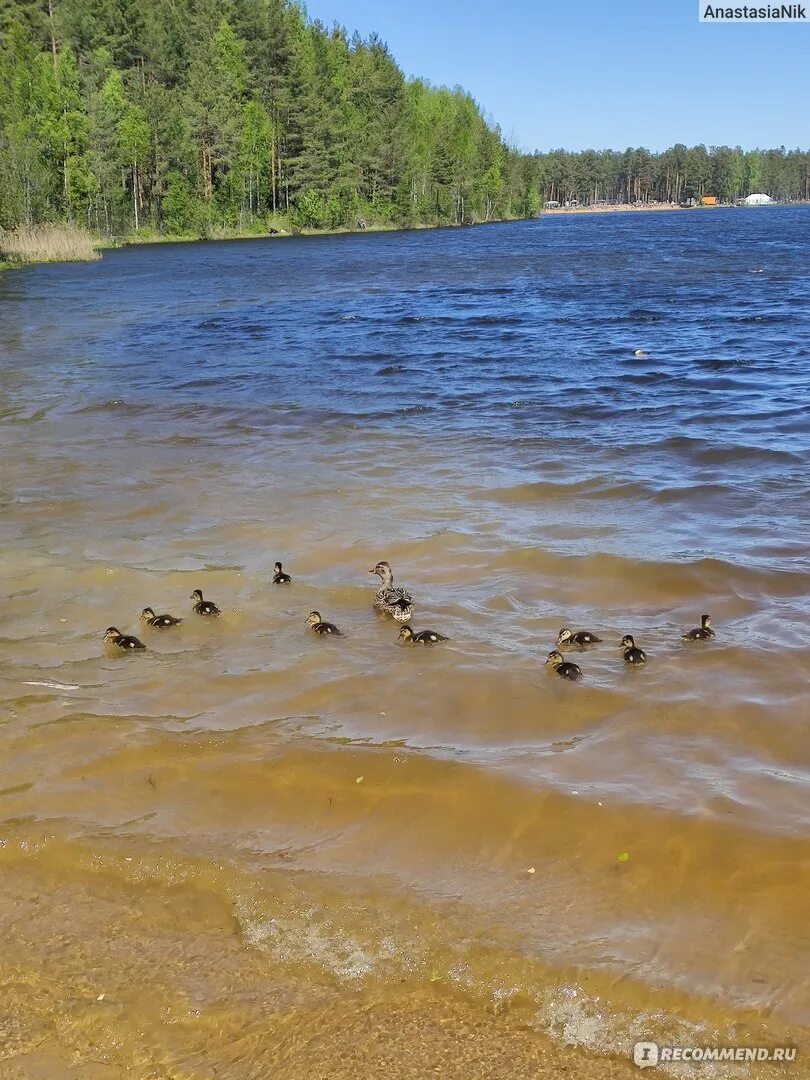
(598, 74)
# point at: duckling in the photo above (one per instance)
(562, 667)
(581, 637)
(390, 600)
(161, 622)
(279, 577)
(318, 626)
(632, 654)
(422, 637)
(702, 632)
(204, 607)
(113, 636)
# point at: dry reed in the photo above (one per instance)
(47, 243)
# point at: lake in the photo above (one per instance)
(248, 851)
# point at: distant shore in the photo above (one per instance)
(624, 208)
(606, 208)
(59, 244)
(45, 244)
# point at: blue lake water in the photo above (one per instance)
(595, 421)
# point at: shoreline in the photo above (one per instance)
(623, 208)
(237, 234)
(147, 238)
(336, 1031)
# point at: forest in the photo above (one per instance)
(676, 175)
(193, 117)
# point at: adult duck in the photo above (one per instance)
(398, 603)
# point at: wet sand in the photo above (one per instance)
(169, 990)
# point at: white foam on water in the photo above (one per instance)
(51, 685)
(310, 938)
(574, 1018)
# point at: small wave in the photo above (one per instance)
(643, 315)
(544, 490)
(660, 581)
(115, 405)
(691, 493)
(726, 455)
(719, 363)
(493, 320)
(51, 685)
(13, 416)
(773, 320)
(310, 936)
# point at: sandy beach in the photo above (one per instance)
(620, 208)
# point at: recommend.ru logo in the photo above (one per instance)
(650, 1053)
(645, 1054)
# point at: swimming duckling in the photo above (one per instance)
(113, 636)
(632, 654)
(562, 667)
(702, 632)
(279, 577)
(318, 626)
(204, 607)
(422, 637)
(581, 637)
(390, 600)
(162, 622)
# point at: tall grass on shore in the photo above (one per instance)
(47, 243)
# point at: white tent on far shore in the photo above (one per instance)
(757, 200)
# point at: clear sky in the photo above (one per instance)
(595, 74)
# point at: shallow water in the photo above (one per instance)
(262, 848)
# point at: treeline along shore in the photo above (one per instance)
(142, 120)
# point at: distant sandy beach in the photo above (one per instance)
(621, 208)
(628, 207)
